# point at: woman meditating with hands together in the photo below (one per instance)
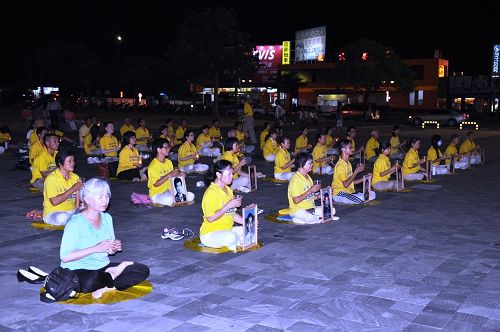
(219, 211)
(87, 241)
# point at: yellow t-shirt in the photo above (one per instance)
(319, 151)
(142, 135)
(432, 154)
(248, 110)
(157, 170)
(35, 150)
(185, 150)
(44, 162)
(33, 137)
(240, 136)
(263, 136)
(179, 135)
(4, 137)
(213, 200)
(451, 150)
(329, 141)
(55, 184)
(271, 147)
(410, 159)
(127, 158)
(394, 144)
(382, 164)
(171, 133)
(202, 139)
(214, 133)
(342, 172)
(297, 186)
(353, 143)
(371, 148)
(233, 159)
(88, 145)
(301, 143)
(126, 128)
(282, 158)
(467, 146)
(107, 143)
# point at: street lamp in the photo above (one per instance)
(119, 38)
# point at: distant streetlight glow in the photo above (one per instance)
(119, 38)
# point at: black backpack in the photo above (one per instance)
(60, 285)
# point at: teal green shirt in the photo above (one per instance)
(80, 234)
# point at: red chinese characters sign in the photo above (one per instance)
(269, 59)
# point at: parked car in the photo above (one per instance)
(258, 111)
(444, 116)
(367, 111)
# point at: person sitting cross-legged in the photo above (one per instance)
(382, 169)
(301, 191)
(451, 151)
(470, 147)
(160, 173)
(44, 162)
(372, 147)
(219, 210)
(204, 144)
(412, 169)
(271, 146)
(344, 178)
(240, 178)
(129, 161)
(320, 158)
(435, 155)
(282, 163)
(187, 155)
(87, 241)
(61, 190)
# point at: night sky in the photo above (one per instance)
(464, 34)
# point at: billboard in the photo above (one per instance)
(310, 44)
(494, 69)
(269, 60)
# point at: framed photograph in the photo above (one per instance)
(179, 190)
(367, 186)
(327, 204)
(362, 157)
(252, 174)
(249, 226)
(452, 165)
(400, 181)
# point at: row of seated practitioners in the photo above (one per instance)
(131, 166)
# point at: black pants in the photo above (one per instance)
(112, 168)
(92, 280)
(129, 174)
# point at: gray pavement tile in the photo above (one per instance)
(303, 326)
(433, 319)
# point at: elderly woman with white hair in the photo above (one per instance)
(87, 241)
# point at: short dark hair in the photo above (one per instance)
(384, 145)
(158, 144)
(62, 155)
(126, 138)
(453, 136)
(344, 142)
(349, 129)
(301, 159)
(228, 146)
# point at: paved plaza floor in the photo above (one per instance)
(423, 260)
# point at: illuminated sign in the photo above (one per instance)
(310, 44)
(441, 71)
(496, 54)
(269, 59)
(285, 55)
